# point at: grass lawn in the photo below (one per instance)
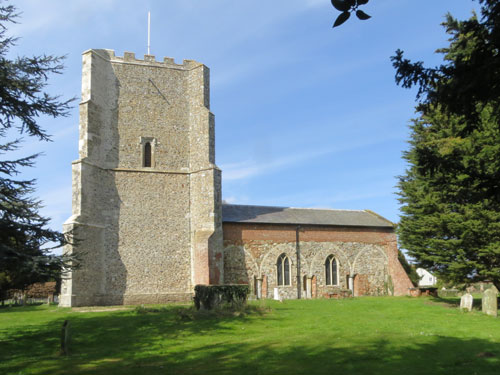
(379, 335)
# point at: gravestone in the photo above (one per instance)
(466, 302)
(489, 302)
(276, 294)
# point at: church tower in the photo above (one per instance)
(146, 210)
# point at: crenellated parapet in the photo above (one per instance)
(149, 60)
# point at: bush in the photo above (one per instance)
(210, 297)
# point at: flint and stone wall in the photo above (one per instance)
(367, 255)
(149, 234)
(145, 234)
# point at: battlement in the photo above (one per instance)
(129, 58)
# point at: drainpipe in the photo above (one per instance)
(297, 248)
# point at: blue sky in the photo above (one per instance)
(306, 115)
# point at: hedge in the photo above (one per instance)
(209, 297)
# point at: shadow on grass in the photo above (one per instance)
(95, 335)
(178, 341)
(444, 356)
(452, 302)
(20, 308)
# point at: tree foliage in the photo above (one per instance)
(25, 240)
(346, 7)
(410, 270)
(450, 193)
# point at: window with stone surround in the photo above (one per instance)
(331, 268)
(283, 270)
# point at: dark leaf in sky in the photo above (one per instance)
(341, 19)
(341, 5)
(362, 15)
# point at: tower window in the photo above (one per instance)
(331, 271)
(147, 149)
(283, 270)
(147, 155)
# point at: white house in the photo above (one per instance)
(426, 278)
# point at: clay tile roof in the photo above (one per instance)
(236, 213)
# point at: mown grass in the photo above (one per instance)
(380, 335)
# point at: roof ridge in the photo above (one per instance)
(380, 217)
(326, 209)
(295, 208)
(251, 205)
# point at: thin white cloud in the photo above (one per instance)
(56, 205)
(41, 16)
(30, 145)
(235, 73)
(357, 196)
(314, 3)
(330, 198)
(65, 132)
(254, 167)
(235, 199)
(251, 168)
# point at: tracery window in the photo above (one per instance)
(331, 274)
(283, 270)
(147, 154)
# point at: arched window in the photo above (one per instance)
(147, 154)
(331, 274)
(283, 268)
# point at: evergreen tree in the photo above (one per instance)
(410, 270)
(450, 193)
(25, 240)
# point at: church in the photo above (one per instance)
(147, 212)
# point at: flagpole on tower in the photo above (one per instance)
(149, 33)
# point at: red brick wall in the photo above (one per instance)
(253, 235)
(400, 279)
(246, 232)
(361, 285)
(264, 287)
